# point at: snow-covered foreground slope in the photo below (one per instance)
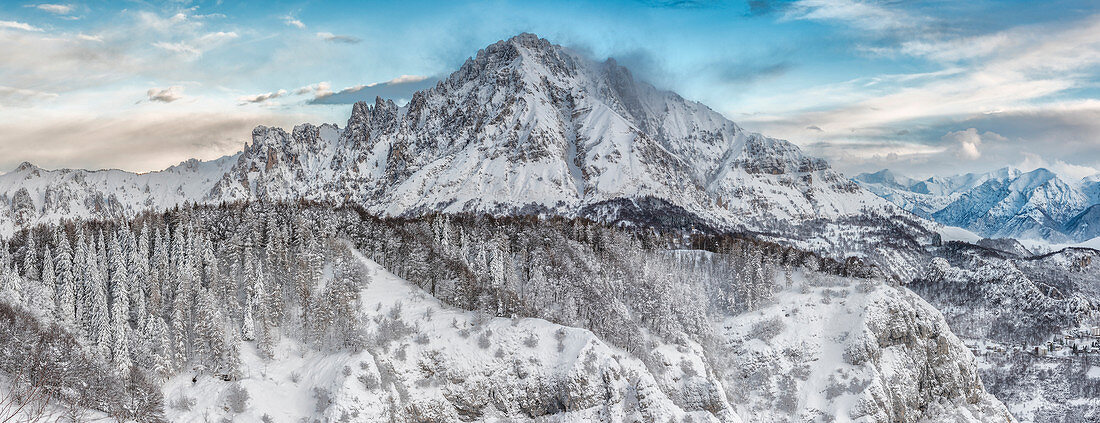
(827, 349)
(429, 362)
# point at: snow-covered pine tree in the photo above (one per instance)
(11, 285)
(30, 258)
(97, 326)
(159, 302)
(120, 304)
(49, 277)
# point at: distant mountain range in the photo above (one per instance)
(1006, 203)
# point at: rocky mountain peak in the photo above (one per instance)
(527, 126)
(26, 166)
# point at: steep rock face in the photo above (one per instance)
(1085, 225)
(862, 352)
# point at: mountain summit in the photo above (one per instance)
(523, 127)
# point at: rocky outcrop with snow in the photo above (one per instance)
(854, 352)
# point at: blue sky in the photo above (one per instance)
(923, 87)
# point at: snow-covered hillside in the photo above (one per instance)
(436, 363)
(875, 353)
(1006, 203)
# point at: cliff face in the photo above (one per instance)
(863, 351)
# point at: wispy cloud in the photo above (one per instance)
(400, 88)
(11, 96)
(330, 37)
(292, 21)
(261, 98)
(19, 25)
(165, 95)
(1017, 70)
(197, 46)
(866, 15)
(59, 9)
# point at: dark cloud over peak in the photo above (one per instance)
(397, 89)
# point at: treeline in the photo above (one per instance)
(581, 273)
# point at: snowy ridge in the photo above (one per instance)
(524, 127)
(30, 194)
(1005, 203)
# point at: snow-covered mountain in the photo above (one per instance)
(525, 126)
(528, 127)
(1006, 203)
(29, 194)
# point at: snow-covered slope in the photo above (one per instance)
(525, 126)
(429, 362)
(1002, 204)
(892, 358)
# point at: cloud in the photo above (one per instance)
(291, 21)
(330, 37)
(1068, 171)
(10, 96)
(967, 142)
(58, 9)
(750, 73)
(19, 25)
(864, 15)
(123, 141)
(179, 47)
(400, 88)
(1018, 72)
(815, 128)
(196, 47)
(261, 98)
(166, 95)
(320, 89)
